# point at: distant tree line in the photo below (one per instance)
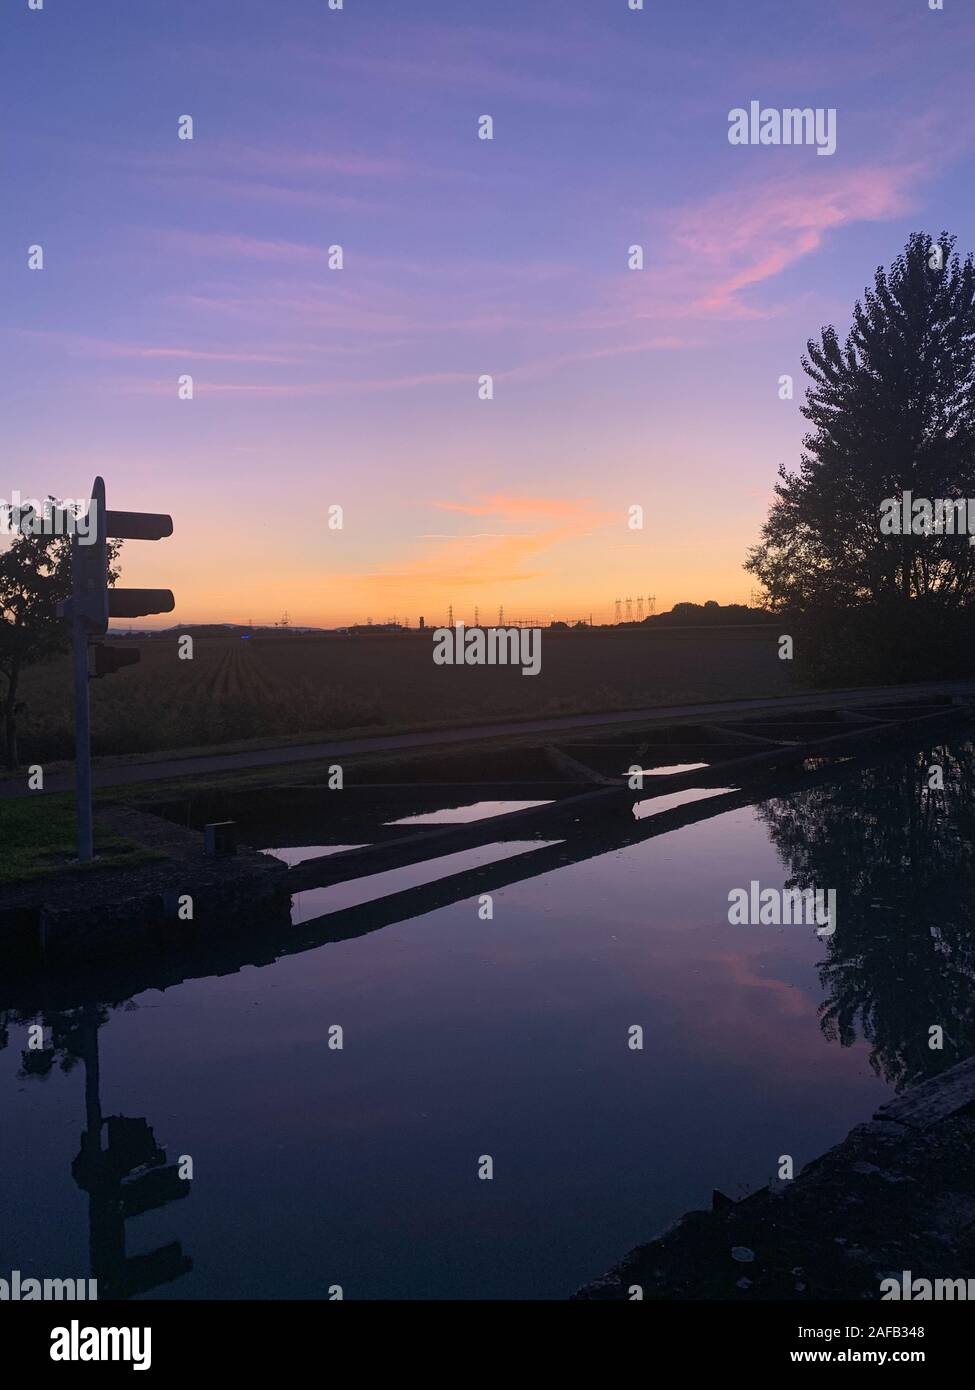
(708, 613)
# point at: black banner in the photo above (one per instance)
(167, 1337)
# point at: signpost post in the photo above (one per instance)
(89, 608)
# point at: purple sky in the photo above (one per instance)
(462, 257)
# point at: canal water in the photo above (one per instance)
(467, 1038)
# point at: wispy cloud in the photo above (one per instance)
(268, 390)
(714, 255)
(484, 559)
(717, 249)
(230, 190)
(78, 344)
(234, 246)
(739, 239)
(546, 508)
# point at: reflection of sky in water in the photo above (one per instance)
(667, 769)
(670, 800)
(463, 1037)
(313, 902)
(461, 815)
(297, 854)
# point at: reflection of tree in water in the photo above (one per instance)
(900, 856)
(66, 1032)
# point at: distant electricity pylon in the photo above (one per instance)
(501, 616)
(477, 616)
(629, 610)
(450, 615)
(652, 604)
(619, 610)
(639, 608)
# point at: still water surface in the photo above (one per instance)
(509, 1037)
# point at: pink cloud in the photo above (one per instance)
(741, 238)
(718, 248)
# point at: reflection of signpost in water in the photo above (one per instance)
(124, 1179)
(89, 608)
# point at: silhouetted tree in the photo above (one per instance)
(892, 410)
(35, 574)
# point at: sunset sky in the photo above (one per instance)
(358, 387)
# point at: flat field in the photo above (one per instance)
(296, 687)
